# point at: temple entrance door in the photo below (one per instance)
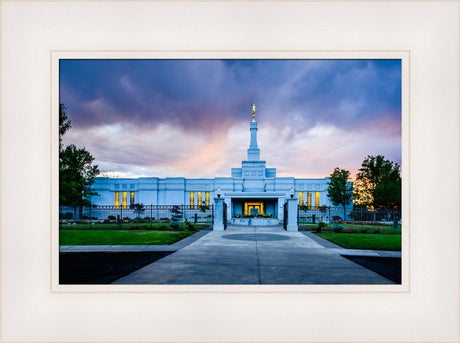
(253, 208)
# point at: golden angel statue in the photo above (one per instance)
(253, 109)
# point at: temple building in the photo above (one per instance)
(251, 189)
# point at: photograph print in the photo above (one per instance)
(230, 171)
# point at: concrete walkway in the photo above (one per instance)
(255, 255)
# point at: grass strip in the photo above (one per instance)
(364, 241)
(121, 237)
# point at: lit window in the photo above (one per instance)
(125, 199)
(308, 200)
(316, 199)
(207, 195)
(117, 199)
(300, 198)
(131, 198)
(192, 199)
(198, 200)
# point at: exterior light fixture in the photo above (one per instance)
(219, 192)
(291, 192)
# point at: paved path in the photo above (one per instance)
(255, 255)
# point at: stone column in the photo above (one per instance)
(292, 215)
(280, 204)
(218, 214)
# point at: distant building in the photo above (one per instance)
(251, 189)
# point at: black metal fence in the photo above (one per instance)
(285, 215)
(356, 218)
(224, 215)
(142, 216)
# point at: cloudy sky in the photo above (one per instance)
(191, 117)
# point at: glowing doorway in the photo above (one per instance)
(253, 208)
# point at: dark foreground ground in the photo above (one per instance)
(389, 267)
(102, 267)
(106, 267)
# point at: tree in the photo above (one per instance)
(64, 123)
(176, 217)
(76, 175)
(339, 190)
(380, 183)
(76, 172)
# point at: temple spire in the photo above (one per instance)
(253, 151)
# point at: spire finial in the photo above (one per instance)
(253, 110)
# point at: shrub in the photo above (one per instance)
(378, 230)
(364, 230)
(188, 225)
(111, 217)
(132, 227)
(68, 215)
(337, 228)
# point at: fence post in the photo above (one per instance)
(329, 221)
(361, 218)
(121, 216)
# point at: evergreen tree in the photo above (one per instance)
(339, 190)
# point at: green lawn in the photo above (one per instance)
(121, 237)
(364, 240)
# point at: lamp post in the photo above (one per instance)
(292, 212)
(218, 192)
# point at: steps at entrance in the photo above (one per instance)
(255, 221)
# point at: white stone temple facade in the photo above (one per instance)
(251, 189)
